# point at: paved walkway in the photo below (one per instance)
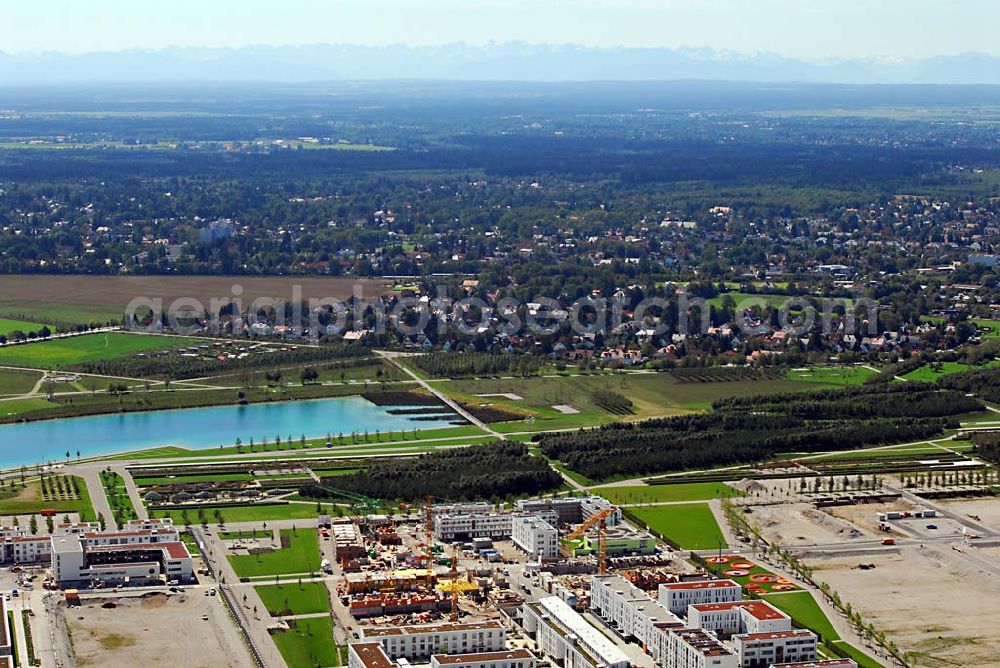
(92, 477)
(392, 357)
(133, 491)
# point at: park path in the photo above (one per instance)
(393, 359)
(92, 477)
(133, 491)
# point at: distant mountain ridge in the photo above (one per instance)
(507, 61)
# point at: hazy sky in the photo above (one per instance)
(801, 28)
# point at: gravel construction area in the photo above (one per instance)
(802, 524)
(155, 630)
(928, 600)
(986, 508)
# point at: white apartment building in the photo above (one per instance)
(677, 596)
(468, 525)
(697, 648)
(515, 658)
(120, 558)
(727, 619)
(631, 612)
(535, 536)
(368, 655)
(567, 638)
(420, 642)
(759, 650)
(571, 510)
(27, 549)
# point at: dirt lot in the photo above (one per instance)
(986, 508)
(27, 294)
(863, 514)
(802, 524)
(158, 631)
(927, 600)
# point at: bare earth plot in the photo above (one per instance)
(156, 631)
(987, 509)
(802, 524)
(938, 608)
(81, 298)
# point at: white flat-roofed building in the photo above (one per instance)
(677, 596)
(759, 650)
(420, 642)
(535, 536)
(469, 525)
(726, 619)
(367, 655)
(514, 658)
(567, 638)
(27, 549)
(571, 510)
(697, 648)
(631, 612)
(829, 663)
(119, 558)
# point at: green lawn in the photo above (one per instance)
(300, 556)
(179, 479)
(7, 326)
(806, 612)
(251, 512)
(17, 382)
(91, 347)
(691, 491)
(292, 598)
(832, 375)
(30, 500)
(690, 525)
(310, 643)
(239, 535)
(860, 658)
(652, 395)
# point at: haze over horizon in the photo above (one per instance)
(895, 41)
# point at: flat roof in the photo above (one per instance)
(758, 609)
(174, 550)
(575, 624)
(505, 655)
(774, 635)
(433, 628)
(371, 654)
(699, 584)
(703, 641)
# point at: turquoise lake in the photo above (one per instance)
(200, 428)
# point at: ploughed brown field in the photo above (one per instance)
(72, 299)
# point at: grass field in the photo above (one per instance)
(30, 500)
(832, 375)
(929, 373)
(300, 556)
(310, 643)
(863, 660)
(7, 326)
(691, 491)
(690, 525)
(652, 395)
(91, 347)
(806, 612)
(295, 599)
(17, 382)
(256, 512)
(178, 479)
(71, 300)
